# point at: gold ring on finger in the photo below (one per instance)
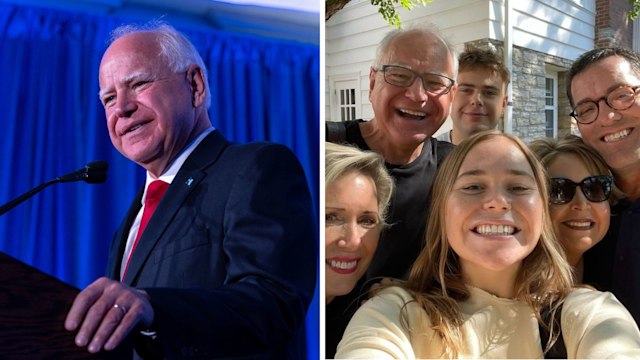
(121, 308)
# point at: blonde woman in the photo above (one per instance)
(357, 192)
(491, 278)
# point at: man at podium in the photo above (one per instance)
(216, 255)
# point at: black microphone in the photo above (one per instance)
(93, 173)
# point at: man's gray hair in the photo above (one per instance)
(174, 47)
(426, 30)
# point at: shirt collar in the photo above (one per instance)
(170, 172)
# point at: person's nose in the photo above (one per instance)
(497, 200)
(351, 235)
(125, 106)
(476, 99)
(416, 91)
(579, 201)
(606, 114)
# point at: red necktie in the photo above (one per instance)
(155, 191)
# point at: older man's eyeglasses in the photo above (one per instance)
(620, 98)
(404, 77)
(595, 189)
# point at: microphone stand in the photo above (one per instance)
(93, 173)
(15, 202)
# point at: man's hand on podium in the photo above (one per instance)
(106, 312)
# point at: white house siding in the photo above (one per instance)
(351, 37)
(545, 32)
(563, 28)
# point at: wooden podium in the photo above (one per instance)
(33, 306)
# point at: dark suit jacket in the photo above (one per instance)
(229, 256)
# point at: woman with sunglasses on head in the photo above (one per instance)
(357, 192)
(580, 189)
(492, 281)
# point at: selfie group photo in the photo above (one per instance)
(320, 179)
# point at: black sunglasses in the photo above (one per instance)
(595, 189)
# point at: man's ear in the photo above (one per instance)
(372, 80)
(505, 101)
(195, 77)
(453, 91)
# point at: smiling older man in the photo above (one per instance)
(215, 258)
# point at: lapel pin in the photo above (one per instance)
(189, 181)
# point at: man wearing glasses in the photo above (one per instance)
(411, 86)
(603, 86)
(215, 258)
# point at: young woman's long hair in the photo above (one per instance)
(436, 281)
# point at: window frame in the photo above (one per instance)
(553, 76)
(351, 84)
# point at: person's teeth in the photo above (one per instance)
(345, 265)
(495, 229)
(617, 136)
(411, 112)
(579, 223)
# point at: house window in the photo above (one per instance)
(550, 105)
(347, 103)
(346, 100)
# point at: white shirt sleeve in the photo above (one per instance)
(376, 330)
(595, 325)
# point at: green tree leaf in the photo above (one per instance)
(387, 9)
(634, 9)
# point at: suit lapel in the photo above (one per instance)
(186, 180)
(119, 242)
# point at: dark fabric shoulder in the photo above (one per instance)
(443, 148)
(612, 264)
(242, 155)
(346, 132)
(599, 261)
(558, 350)
(335, 132)
(402, 241)
(339, 312)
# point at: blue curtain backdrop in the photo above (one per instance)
(53, 123)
